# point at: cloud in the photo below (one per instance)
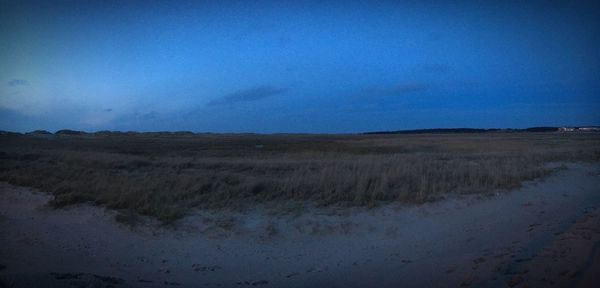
(17, 82)
(247, 95)
(395, 90)
(409, 88)
(152, 115)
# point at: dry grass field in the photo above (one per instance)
(166, 174)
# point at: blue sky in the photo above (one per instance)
(321, 66)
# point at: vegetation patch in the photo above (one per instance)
(166, 175)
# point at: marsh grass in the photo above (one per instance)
(166, 175)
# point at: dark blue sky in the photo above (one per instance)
(323, 66)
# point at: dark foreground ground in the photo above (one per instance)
(545, 234)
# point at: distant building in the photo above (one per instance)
(566, 129)
(588, 129)
(579, 129)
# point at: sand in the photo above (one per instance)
(546, 233)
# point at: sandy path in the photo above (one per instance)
(546, 233)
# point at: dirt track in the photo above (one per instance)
(545, 234)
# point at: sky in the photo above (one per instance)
(298, 66)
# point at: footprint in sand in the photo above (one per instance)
(199, 268)
(255, 283)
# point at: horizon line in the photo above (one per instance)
(400, 131)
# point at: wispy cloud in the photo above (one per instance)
(247, 95)
(395, 90)
(17, 82)
(152, 115)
